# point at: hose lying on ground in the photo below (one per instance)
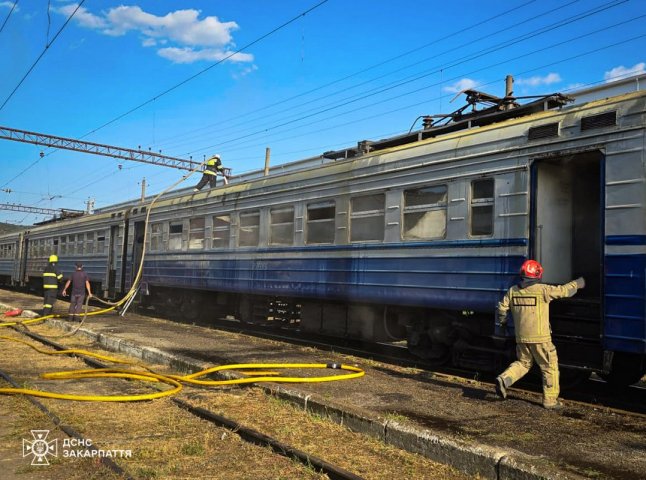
(175, 381)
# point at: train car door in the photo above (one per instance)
(566, 237)
(23, 254)
(112, 261)
(137, 249)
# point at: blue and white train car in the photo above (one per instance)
(415, 237)
(426, 231)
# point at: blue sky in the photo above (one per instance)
(346, 71)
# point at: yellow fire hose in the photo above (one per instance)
(174, 381)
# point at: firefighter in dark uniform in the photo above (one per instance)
(212, 168)
(529, 304)
(51, 276)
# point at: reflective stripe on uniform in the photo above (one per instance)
(46, 305)
(210, 172)
(49, 274)
(50, 286)
(59, 276)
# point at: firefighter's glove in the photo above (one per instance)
(502, 320)
(580, 283)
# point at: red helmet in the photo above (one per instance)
(531, 269)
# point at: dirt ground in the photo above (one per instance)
(584, 440)
(168, 442)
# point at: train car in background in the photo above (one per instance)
(94, 240)
(413, 238)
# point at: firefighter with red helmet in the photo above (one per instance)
(529, 302)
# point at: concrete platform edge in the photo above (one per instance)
(472, 458)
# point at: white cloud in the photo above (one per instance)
(82, 16)
(548, 79)
(245, 71)
(620, 72)
(190, 55)
(189, 38)
(9, 6)
(461, 85)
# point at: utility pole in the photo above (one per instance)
(143, 189)
(267, 155)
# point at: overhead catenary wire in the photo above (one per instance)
(441, 67)
(349, 102)
(8, 15)
(42, 54)
(201, 72)
(165, 92)
(379, 90)
(367, 69)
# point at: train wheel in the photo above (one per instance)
(626, 370)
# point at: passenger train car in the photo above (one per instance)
(414, 237)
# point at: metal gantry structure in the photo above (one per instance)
(97, 149)
(63, 212)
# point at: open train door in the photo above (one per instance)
(566, 237)
(137, 249)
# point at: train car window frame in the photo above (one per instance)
(63, 245)
(320, 224)
(175, 233)
(221, 224)
(482, 207)
(425, 213)
(281, 226)
(100, 242)
(89, 243)
(196, 233)
(71, 244)
(156, 236)
(80, 244)
(365, 219)
(248, 230)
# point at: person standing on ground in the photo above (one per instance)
(80, 283)
(51, 276)
(212, 168)
(529, 304)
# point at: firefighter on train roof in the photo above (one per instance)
(212, 168)
(529, 302)
(51, 276)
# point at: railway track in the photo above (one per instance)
(250, 435)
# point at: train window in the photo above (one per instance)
(89, 243)
(80, 243)
(156, 237)
(63, 245)
(71, 244)
(367, 218)
(175, 236)
(482, 203)
(425, 213)
(55, 247)
(249, 229)
(100, 242)
(221, 231)
(196, 233)
(320, 222)
(281, 226)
